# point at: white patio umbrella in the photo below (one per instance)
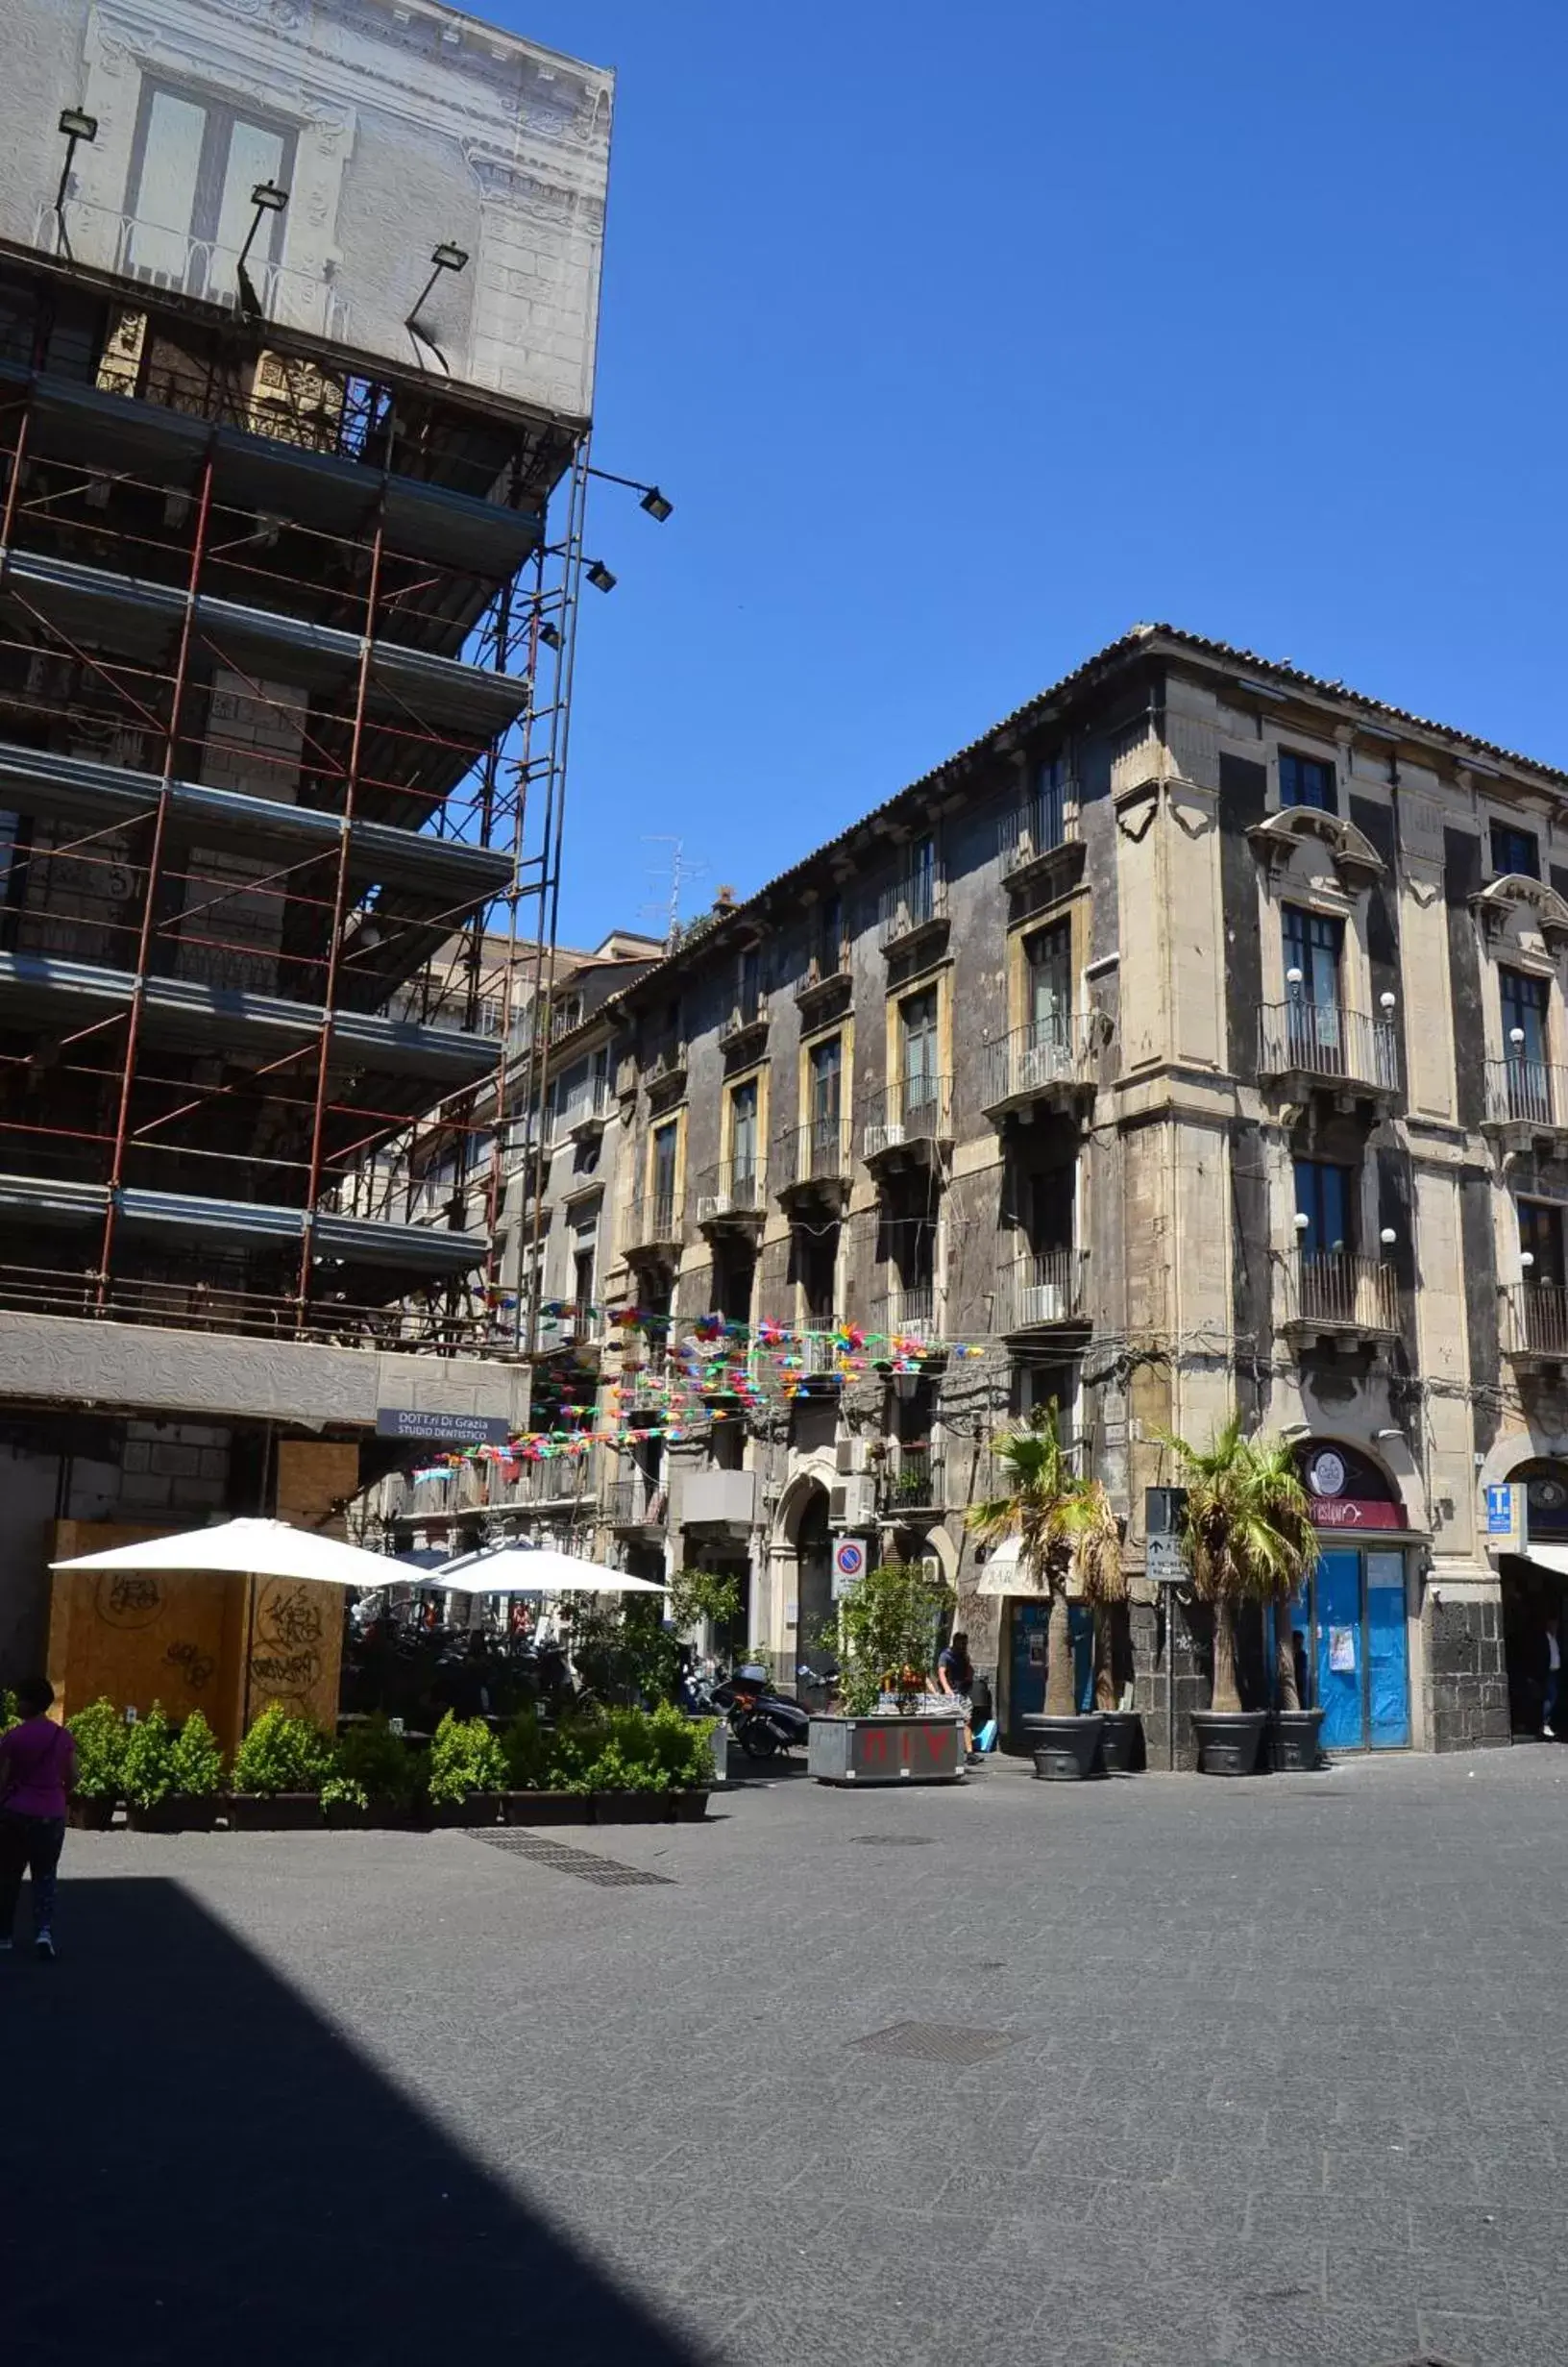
(260, 1548)
(523, 1569)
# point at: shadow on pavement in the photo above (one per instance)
(195, 2166)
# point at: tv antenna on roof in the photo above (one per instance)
(680, 872)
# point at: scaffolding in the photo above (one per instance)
(285, 659)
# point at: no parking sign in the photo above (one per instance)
(848, 1564)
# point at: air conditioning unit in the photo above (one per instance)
(1043, 1302)
(931, 1566)
(853, 1455)
(711, 1204)
(882, 1138)
(852, 1503)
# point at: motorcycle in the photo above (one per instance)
(763, 1721)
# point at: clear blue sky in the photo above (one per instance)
(963, 338)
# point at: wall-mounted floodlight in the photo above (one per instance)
(655, 501)
(549, 634)
(74, 127)
(599, 576)
(443, 257)
(266, 200)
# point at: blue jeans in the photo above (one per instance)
(29, 1845)
(1549, 1700)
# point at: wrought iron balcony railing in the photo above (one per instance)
(1325, 1040)
(1038, 1288)
(919, 1110)
(909, 1479)
(1532, 1095)
(1048, 1059)
(1335, 1290)
(1535, 1320)
(1037, 828)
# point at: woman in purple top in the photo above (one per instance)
(37, 1767)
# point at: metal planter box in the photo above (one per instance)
(887, 1749)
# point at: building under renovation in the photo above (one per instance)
(297, 320)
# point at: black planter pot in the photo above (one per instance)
(1121, 1741)
(272, 1812)
(90, 1812)
(1228, 1739)
(689, 1807)
(1065, 1748)
(1293, 1740)
(178, 1813)
(546, 1808)
(473, 1808)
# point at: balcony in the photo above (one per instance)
(1307, 1048)
(905, 1124)
(825, 989)
(910, 1481)
(745, 1032)
(1049, 1063)
(1527, 1102)
(815, 1359)
(1040, 1290)
(906, 1316)
(653, 1228)
(1040, 842)
(1337, 1296)
(634, 1507)
(665, 1071)
(913, 910)
(563, 1482)
(819, 1174)
(1535, 1324)
(731, 1198)
(585, 1110)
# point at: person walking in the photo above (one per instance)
(1553, 1677)
(38, 1767)
(955, 1677)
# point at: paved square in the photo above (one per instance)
(1250, 2072)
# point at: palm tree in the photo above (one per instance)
(1249, 1537)
(1064, 1522)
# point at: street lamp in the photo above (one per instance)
(74, 127)
(267, 198)
(656, 502)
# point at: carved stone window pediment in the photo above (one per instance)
(1501, 902)
(1356, 861)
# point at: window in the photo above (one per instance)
(582, 1283)
(826, 1065)
(196, 161)
(1540, 1240)
(1323, 1196)
(1048, 822)
(1050, 985)
(917, 1049)
(750, 982)
(829, 937)
(1051, 1197)
(665, 1144)
(1307, 780)
(1515, 851)
(814, 1252)
(1528, 1072)
(920, 894)
(743, 1136)
(1313, 942)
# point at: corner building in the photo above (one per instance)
(1197, 1035)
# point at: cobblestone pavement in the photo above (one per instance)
(1180, 2072)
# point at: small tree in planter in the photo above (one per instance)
(101, 1736)
(1248, 1537)
(885, 1632)
(171, 1779)
(279, 1771)
(467, 1772)
(375, 1777)
(1065, 1527)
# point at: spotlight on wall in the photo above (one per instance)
(443, 257)
(658, 504)
(599, 576)
(267, 198)
(549, 634)
(74, 127)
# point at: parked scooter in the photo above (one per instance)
(763, 1721)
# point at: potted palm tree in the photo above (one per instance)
(1248, 1537)
(1068, 1536)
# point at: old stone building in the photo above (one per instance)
(1197, 1035)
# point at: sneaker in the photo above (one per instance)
(1549, 1734)
(43, 1948)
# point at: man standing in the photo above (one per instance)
(955, 1677)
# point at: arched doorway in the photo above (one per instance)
(814, 1580)
(1534, 1593)
(1349, 1623)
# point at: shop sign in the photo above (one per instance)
(1350, 1512)
(407, 1421)
(1500, 1511)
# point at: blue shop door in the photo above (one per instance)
(1386, 1652)
(1031, 1622)
(1340, 1652)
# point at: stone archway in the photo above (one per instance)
(802, 1560)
